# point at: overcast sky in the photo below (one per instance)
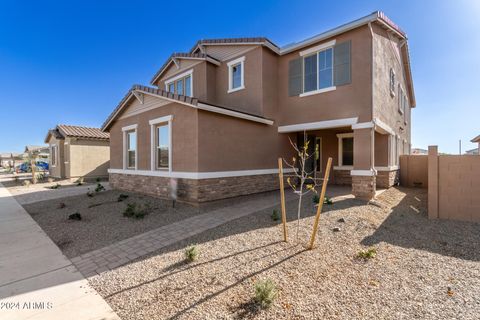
(72, 61)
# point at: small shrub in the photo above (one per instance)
(122, 197)
(265, 292)
(17, 179)
(316, 199)
(97, 180)
(99, 187)
(75, 216)
(50, 180)
(134, 211)
(56, 186)
(89, 194)
(191, 253)
(61, 205)
(274, 215)
(26, 183)
(367, 254)
(79, 181)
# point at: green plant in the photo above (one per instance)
(75, 216)
(274, 215)
(370, 253)
(79, 181)
(99, 187)
(265, 292)
(327, 201)
(191, 253)
(97, 180)
(17, 179)
(122, 197)
(135, 211)
(316, 198)
(56, 186)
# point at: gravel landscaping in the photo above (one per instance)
(102, 221)
(422, 269)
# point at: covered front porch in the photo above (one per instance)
(363, 154)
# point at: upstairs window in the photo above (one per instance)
(318, 71)
(181, 84)
(236, 79)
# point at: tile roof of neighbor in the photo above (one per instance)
(62, 131)
(82, 132)
(34, 148)
(476, 139)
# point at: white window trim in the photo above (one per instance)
(318, 48)
(54, 146)
(309, 93)
(153, 125)
(315, 51)
(230, 64)
(340, 137)
(125, 130)
(180, 76)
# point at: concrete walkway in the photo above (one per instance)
(36, 280)
(120, 253)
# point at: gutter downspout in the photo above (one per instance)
(372, 133)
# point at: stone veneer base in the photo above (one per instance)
(192, 190)
(387, 179)
(364, 187)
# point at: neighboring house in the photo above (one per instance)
(220, 115)
(78, 152)
(476, 140)
(472, 152)
(419, 151)
(40, 153)
(11, 159)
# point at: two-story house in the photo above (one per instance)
(218, 117)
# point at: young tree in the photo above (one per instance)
(305, 182)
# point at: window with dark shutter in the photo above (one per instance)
(342, 64)
(295, 83)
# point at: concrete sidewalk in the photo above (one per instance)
(36, 280)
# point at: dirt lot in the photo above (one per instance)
(423, 269)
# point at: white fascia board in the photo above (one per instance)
(363, 125)
(384, 128)
(197, 175)
(327, 124)
(266, 44)
(207, 107)
(328, 34)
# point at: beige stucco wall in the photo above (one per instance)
(454, 185)
(87, 158)
(351, 100)
(184, 137)
(414, 171)
(57, 171)
(385, 106)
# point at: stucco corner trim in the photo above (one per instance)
(382, 127)
(364, 173)
(363, 125)
(327, 124)
(197, 175)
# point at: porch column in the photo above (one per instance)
(363, 173)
